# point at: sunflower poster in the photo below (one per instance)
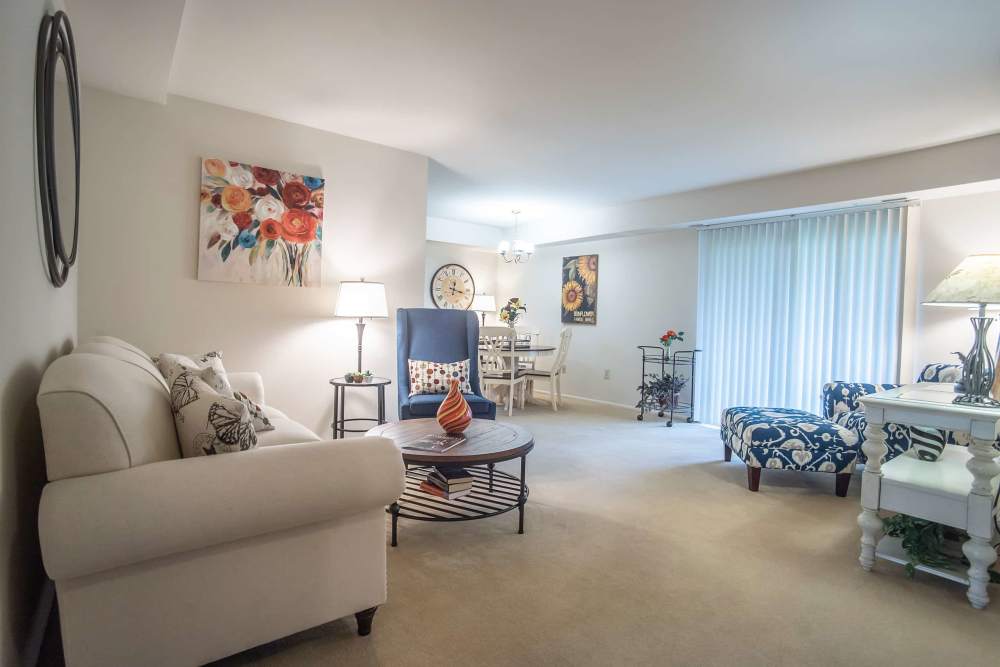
(259, 225)
(579, 289)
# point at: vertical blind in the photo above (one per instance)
(788, 305)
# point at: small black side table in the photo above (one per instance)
(340, 386)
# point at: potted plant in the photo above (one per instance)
(510, 313)
(929, 543)
(367, 376)
(660, 393)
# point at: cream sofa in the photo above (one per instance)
(159, 560)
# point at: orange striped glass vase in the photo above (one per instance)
(454, 415)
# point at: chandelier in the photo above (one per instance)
(516, 251)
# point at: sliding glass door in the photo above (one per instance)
(786, 305)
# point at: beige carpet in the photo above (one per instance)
(642, 547)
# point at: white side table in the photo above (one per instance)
(957, 490)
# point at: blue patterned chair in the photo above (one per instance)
(841, 404)
(788, 439)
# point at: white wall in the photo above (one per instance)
(646, 285)
(38, 324)
(464, 233)
(951, 164)
(950, 229)
(140, 192)
(481, 263)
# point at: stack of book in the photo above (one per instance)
(448, 483)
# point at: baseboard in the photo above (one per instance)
(547, 395)
(39, 623)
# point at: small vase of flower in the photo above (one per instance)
(669, 337)
(510, 313)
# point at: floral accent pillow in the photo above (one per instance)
(260, 420)
(433, 377)
(207, 421)
(208, 366)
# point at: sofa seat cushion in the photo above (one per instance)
(787, 438)
(426, 405)
(285, 432)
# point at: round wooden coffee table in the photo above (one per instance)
(493, 491)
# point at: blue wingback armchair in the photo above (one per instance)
(445, 336)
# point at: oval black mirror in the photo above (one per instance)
(57, 133)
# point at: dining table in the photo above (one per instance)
(525, 352)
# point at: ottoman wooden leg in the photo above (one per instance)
(728, 453)
(843, 481)
(753, 478)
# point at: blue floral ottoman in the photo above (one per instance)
(782, 438)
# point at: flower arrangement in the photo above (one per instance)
(512, 311)
(260, 225)
(670, 336)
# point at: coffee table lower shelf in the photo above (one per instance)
(494, 492)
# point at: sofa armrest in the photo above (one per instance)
(250, 383)
(99, 522)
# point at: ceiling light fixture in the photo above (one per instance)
(516, 251)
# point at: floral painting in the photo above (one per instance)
(259, 225)
(579, 289)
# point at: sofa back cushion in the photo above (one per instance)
(118, 342)
(140, 360)
(101, 413)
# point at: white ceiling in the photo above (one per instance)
(556, 105)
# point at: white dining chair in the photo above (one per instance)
(499, 364)
(555, 372)
(529, 338)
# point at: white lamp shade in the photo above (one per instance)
(523, 247)
(975, 281)
(358, 298)
(483, 303)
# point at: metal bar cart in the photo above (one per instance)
(657, 359)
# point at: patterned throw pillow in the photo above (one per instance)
(208, 422)
(208, 366)
(432, 377)
(260, 420)
(926, 444)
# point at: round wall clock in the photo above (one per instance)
(452, 287)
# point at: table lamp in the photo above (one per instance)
(483, 303)
(975, 283)
(361, 299)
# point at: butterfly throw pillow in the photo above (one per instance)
(208, 422)
(260, 420)
(208, 366)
